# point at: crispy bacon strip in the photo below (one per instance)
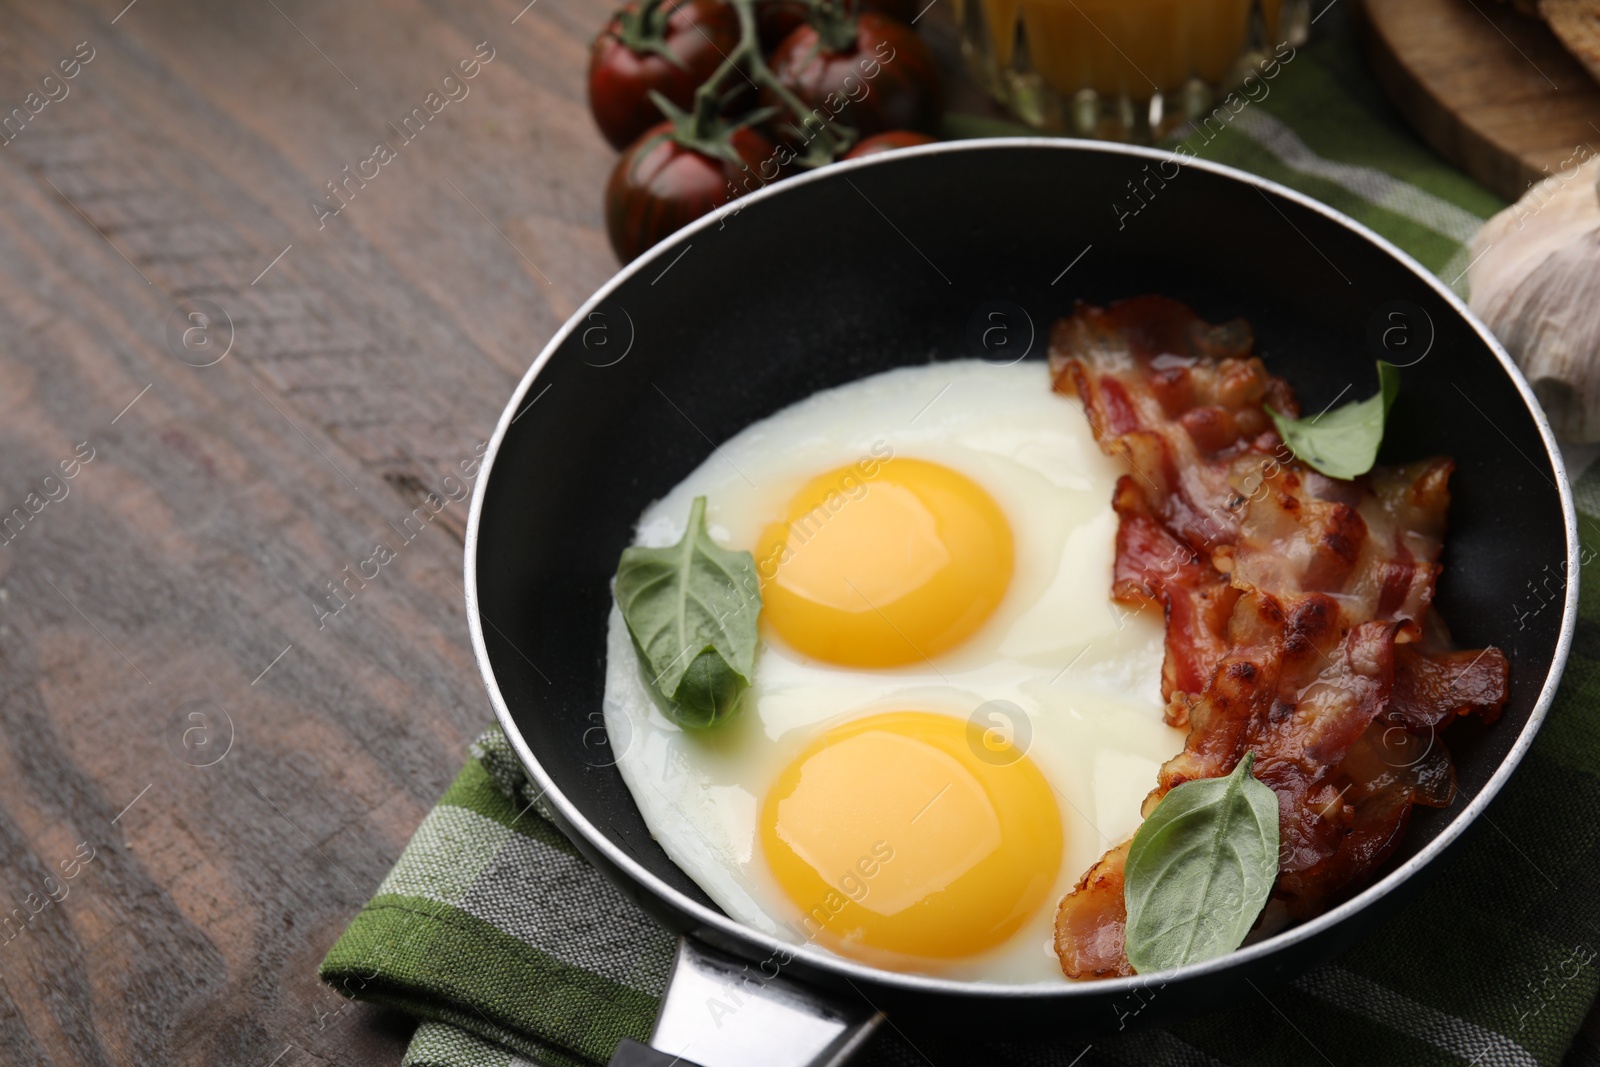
(1155, 566)
(1298, 607)
(1178, 399)
(1090, 939)
(1429, 689)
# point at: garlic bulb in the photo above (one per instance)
(1535, 281)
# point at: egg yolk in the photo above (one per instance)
(892, 834)
(884, 563)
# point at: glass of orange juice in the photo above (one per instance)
(1127, 70)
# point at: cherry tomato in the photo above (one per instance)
(623, 68)
(662, 184)
(885, 79)
(888, 142)
(903, 10)
(777, 19)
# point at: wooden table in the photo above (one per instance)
(173, 600)
(180, 695)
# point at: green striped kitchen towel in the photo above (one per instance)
(511, 950)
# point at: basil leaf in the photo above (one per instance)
(692, 610)
(1343, 443)
(1200, 869)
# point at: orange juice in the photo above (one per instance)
(1051, 58)
(1114, 46)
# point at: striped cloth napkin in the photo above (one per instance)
(513, 951)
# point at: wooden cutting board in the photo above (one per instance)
(1490, 90)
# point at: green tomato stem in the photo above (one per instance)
(745, 59)
(644, 30)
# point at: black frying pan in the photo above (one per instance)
(905, 258)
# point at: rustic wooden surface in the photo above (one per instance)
(1491, 90)
(190, 552)
(244, 771)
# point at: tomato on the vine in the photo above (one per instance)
(888, 142)
(777, 19)
(668, 179)
(870, 72)
(670, 47)
(906, 11)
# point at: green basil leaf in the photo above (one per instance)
(1200, 869)
(692, 611)
(1343, 443)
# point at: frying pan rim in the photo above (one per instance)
(851, 971)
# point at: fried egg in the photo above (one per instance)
(950, 720)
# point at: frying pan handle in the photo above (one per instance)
(720, 1012)
(632, 1054)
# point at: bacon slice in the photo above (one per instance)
(1174, 396)
(1432, 688)
(1090, 938)
(1154, 566)
(1299, 609)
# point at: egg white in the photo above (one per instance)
(1084, 672)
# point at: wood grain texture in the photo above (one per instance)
(1490, 90)
(192, 551)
